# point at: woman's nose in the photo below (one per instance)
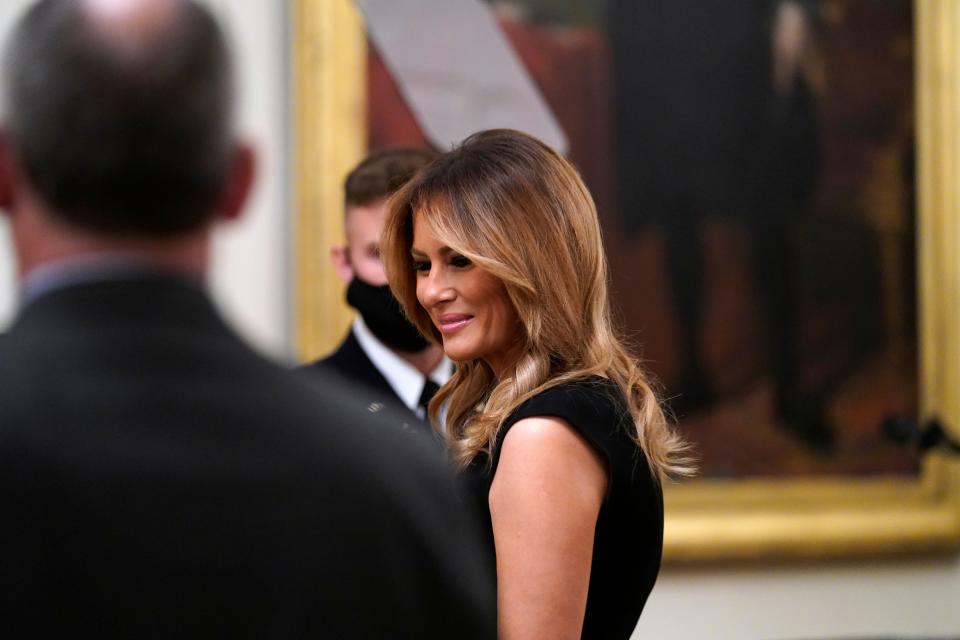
(433, 288)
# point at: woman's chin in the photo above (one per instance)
(456, 353)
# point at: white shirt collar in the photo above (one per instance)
(405, 380)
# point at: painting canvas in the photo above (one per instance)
(753, 167)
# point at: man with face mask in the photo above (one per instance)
(383, 350)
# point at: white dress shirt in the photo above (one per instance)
(405, 380)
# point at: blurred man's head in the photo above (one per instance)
(118, 118)
(357, 262)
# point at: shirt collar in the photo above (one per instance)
(405, 380)
(87, 268)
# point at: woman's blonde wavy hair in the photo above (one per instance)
(520, 211)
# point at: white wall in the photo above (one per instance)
(251, 279)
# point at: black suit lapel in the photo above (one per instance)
(350, 360)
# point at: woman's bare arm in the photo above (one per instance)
(544, 503)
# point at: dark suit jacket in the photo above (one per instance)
(350, 361)
(159, 479)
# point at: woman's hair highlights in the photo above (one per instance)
(519, 210)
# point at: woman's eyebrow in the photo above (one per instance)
(442, 251)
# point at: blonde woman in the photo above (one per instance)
(494, 251)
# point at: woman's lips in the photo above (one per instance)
(450, 323)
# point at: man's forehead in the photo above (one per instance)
(364, 222)
(373, 212)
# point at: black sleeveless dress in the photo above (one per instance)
(629, 536)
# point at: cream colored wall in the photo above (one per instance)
(251, 279)
(910, 599)
(7, 280)
(251, 266)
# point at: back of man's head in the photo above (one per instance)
(118, 113)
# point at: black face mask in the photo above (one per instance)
(382, 314)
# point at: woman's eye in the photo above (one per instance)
(421, 265)
(460, 261)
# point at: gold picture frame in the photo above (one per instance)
(707, 521)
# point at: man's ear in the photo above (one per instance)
(6, 173)
(239, 183)
(340, 259)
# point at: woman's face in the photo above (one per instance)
(468, 305)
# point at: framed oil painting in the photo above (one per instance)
(778, 190)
